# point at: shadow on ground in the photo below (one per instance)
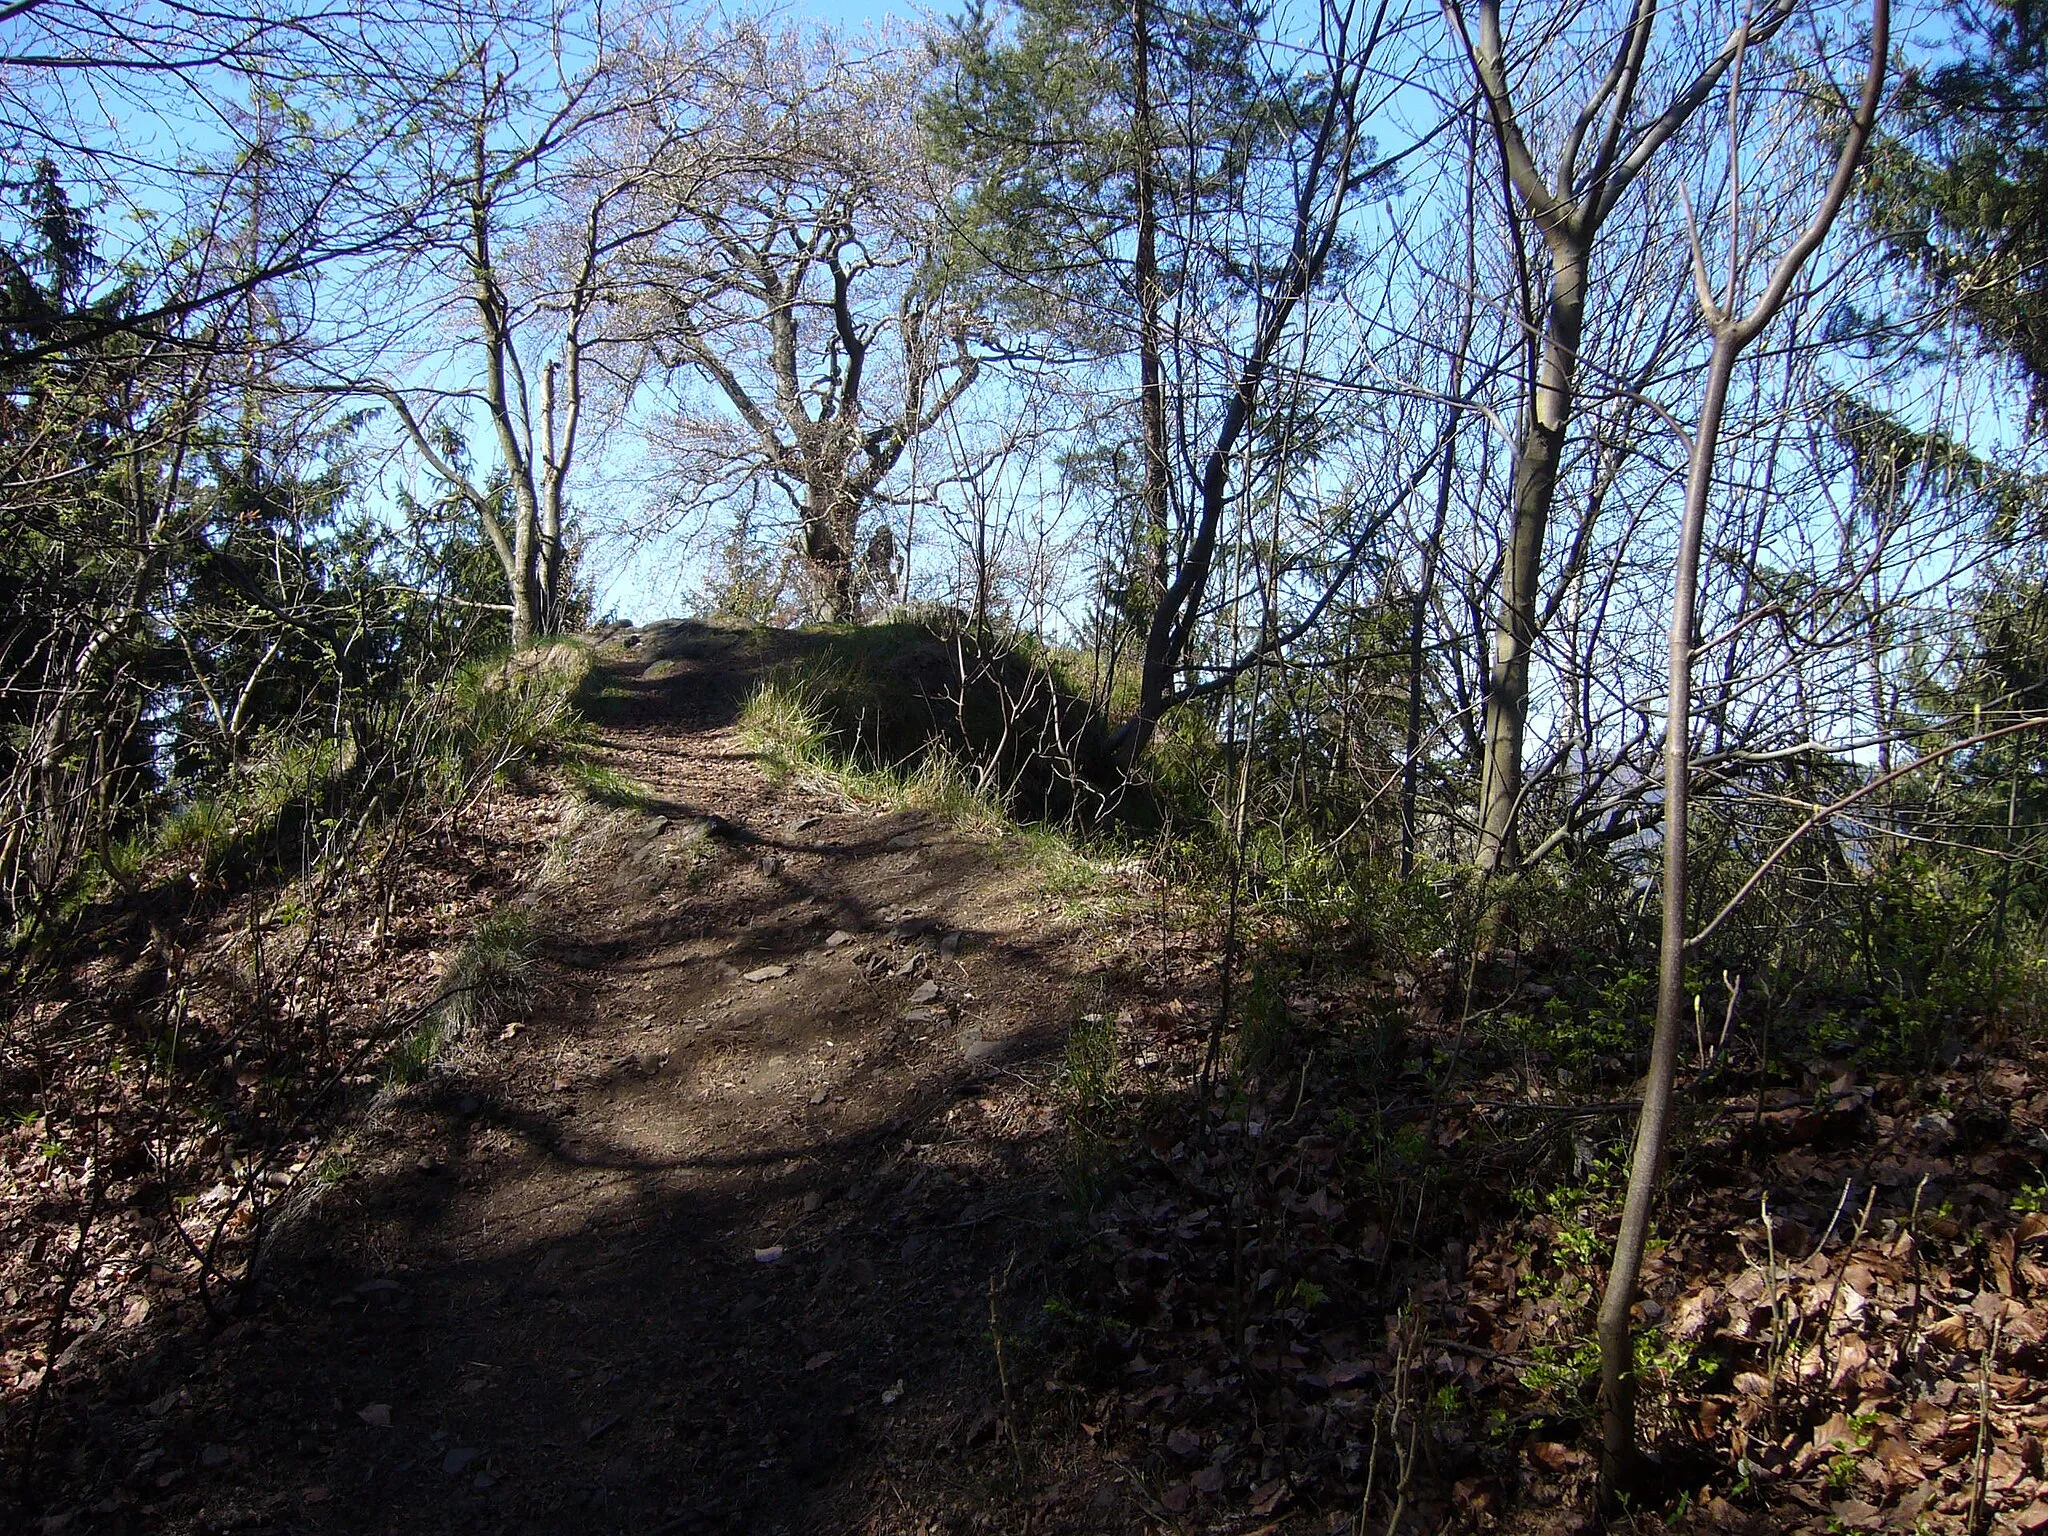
(721, 1235)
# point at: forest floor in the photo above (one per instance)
(835, 1176)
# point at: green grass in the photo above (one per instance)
(606, 786)
(429, 745)
(897, 694)
(489, 973)
(415, 1055)
(1087, 1087)
(523, 708)
(788, 730)
(253, 808)
(480, 984)
(784, 724)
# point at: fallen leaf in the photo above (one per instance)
(2001, 1470)
(1837, 1431)
(1852, 1356)
(1998, 1249)
(1950, 1332)
(2033, 1518)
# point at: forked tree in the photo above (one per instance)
(1732, 329)
(1604, 150)
(792, 297)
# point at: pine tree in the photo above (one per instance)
(1959, 189)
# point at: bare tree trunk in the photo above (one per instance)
(1152, 535)
(1537, 457)
(829, 517)
(554, 469)
(1653, 1128)
(1568, 209)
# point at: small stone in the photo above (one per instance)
(820, 1096)
(768, 1255)
(376, 1415)
(215, 1456)
(928, 993)
(838, 939)
(976, 1049)
(468, 1104)
(459, 1460)
(767, 972)
(949, 946)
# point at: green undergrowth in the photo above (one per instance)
(868, 715)
(431, 746)
(603, 785)
(485, 980)
(895, 696)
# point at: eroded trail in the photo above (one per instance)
(706, 1240)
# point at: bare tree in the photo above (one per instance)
(1604, 151)
(792, 293)
(528, 198)
(1732, 332)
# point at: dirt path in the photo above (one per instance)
(704, 1244)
